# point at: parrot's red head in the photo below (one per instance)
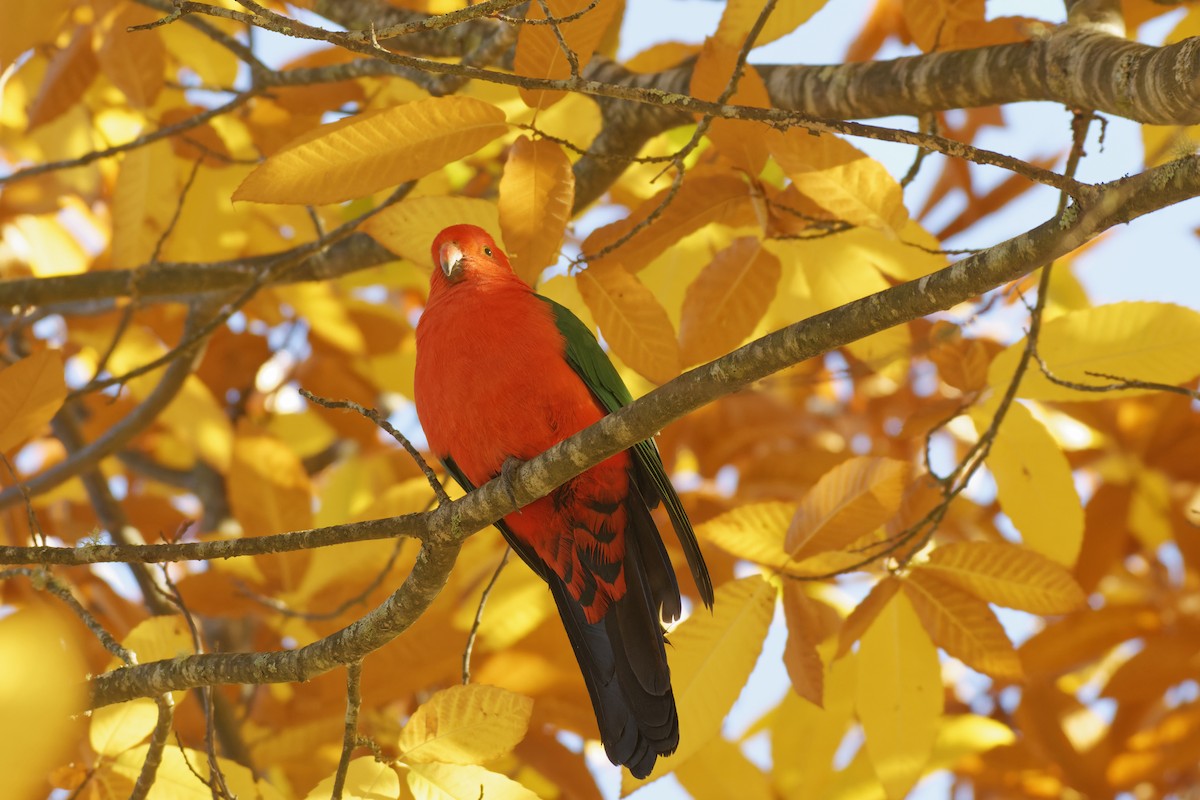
(464, 250)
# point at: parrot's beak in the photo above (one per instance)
(451, 256)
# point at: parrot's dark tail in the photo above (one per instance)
(623, 656)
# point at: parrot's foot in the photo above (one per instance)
(508, 472)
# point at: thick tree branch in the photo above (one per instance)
(182, 281)
(450, 524)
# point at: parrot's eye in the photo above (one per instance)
(487, 251)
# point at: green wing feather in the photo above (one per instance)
(589, 361)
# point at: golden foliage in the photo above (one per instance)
(834, 501)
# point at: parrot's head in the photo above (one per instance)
(463, 251)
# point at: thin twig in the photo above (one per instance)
(487, 590)
(158, 742)
(382, 422)
(132, 144)
(350, 732)
(35, 527)
(316, 616)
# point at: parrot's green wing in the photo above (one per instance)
(589, 361)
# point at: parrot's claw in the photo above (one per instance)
(508, 472)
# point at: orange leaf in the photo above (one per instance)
(269, 491)
(633, 323)
(31, 392)
(865, 613)
(962, 625)
(740, 15)
(133, 60)
(1002, 30)
(727, 300)
(1085, 636)
(800, 656)
(68, 75)
(659, 57)
(850, 501)
(706, 196)
(363, 154)
(537, 191)
(539, 53)
(933, 23)
(742, 142)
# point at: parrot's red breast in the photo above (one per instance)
(515, 397)
(505, 374)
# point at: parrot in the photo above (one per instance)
(502, 374)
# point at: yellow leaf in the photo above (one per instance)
(327, 314)
(158, 639)
(366, 779)
(850, 501)
(183, 772)
(41, 685)
(711, 658)
(209, 227)
(465, 725)
(816, 285)
(197, 418)
(958, 737)
(269, 491)
(31, 392)
(720, 771)
(537, 191)
(705, 197)
(1007, 575)
(900, 696)
(1135, 341)
(28, 24)
(633, 323)
(116, 728)
(740, 15)
(962, 625)
(805, 739)
(841, 179)
(1033, 482)
(46, 246)
(409, 227)
(753, 532)
(727, 300)
(214, 63)
(800, 656)
(462, 782)
(539, 53)
(864, 614)
(518, 604)
(144, 200)
(363, 154)
(967, 734)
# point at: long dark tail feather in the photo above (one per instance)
(622, 657)
(651, 479)
(619, 656)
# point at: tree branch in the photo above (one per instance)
(448, 526)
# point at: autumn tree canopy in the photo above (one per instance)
(971, 493)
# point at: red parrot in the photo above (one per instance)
(503, 374)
